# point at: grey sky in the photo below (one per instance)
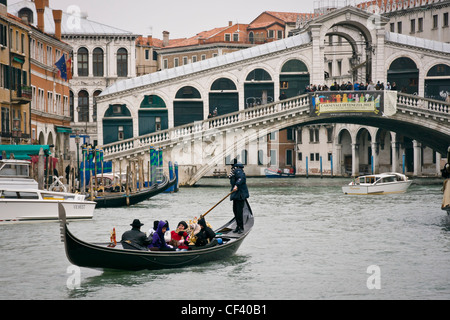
(181, 18)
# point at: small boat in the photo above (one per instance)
(278, 173)
(384, 183)
(105, 256)
(121, 199)
(21, 200)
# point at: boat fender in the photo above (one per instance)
(219, 241)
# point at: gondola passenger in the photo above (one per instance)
(158, 241)
(205, 235)
(135, 238)
(180, 237)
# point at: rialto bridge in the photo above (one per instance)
(170, 108)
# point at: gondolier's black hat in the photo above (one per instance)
(136, 223)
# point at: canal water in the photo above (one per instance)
(310, 241)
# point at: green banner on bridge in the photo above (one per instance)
(341, 103)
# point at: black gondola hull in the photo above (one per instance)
(121, 200)
(100, 256)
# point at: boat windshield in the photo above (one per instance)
(14, 170)
(5, 194)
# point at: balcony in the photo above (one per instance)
(22, 95)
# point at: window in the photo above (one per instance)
(420, 26)
(273, 157)
(413, 26)
(3, 35)
(329, 134)
(121, 134)
(271, 34)
(194, 58)
(50, 101)
(227, 37)
(147, 54)
(445, 18)
(300, 156)
(289, 159)
(313, 135)
(290, 134)
(122, 62)
(236, 37)
(311, 156)
(5, 119)
(185, 60)
(97, 57)
(176, 62)
(435, 21)
(280, 34)
(158, 123)
(392, 27)
(399, 27)
(273, 136)
(83, 62)
(49, 56)
(203, 57)
(166, 64)
(83, 106)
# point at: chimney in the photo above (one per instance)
(40, 9)
(150, 40)
(230, 23)
(166, 38)
(57, 16)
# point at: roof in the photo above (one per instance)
(70, 23)
(208, 64)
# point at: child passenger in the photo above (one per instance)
(158, 241)
(180, 237)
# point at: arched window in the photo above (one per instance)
(97, 58)
(251, 37)
(122, 62)
(83, 106)
(83, 62)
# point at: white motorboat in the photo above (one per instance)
(21, 200)
(384, 183)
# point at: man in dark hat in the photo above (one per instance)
(135, 238)
(239, 186)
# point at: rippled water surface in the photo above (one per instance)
(310, 241)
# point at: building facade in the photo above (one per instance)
(15, 90)
(100, 56)
(50, 117)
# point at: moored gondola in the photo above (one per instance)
(101, 256)
(114, 200)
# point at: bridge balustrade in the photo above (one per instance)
(246, 117)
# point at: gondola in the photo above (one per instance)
(115, 200)
(101, 256)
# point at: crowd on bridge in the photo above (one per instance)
(349, 86)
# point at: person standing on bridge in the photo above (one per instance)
(239, 186)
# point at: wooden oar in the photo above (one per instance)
(203, 215)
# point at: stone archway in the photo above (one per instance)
(341, 21)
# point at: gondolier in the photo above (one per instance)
(239, 185)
